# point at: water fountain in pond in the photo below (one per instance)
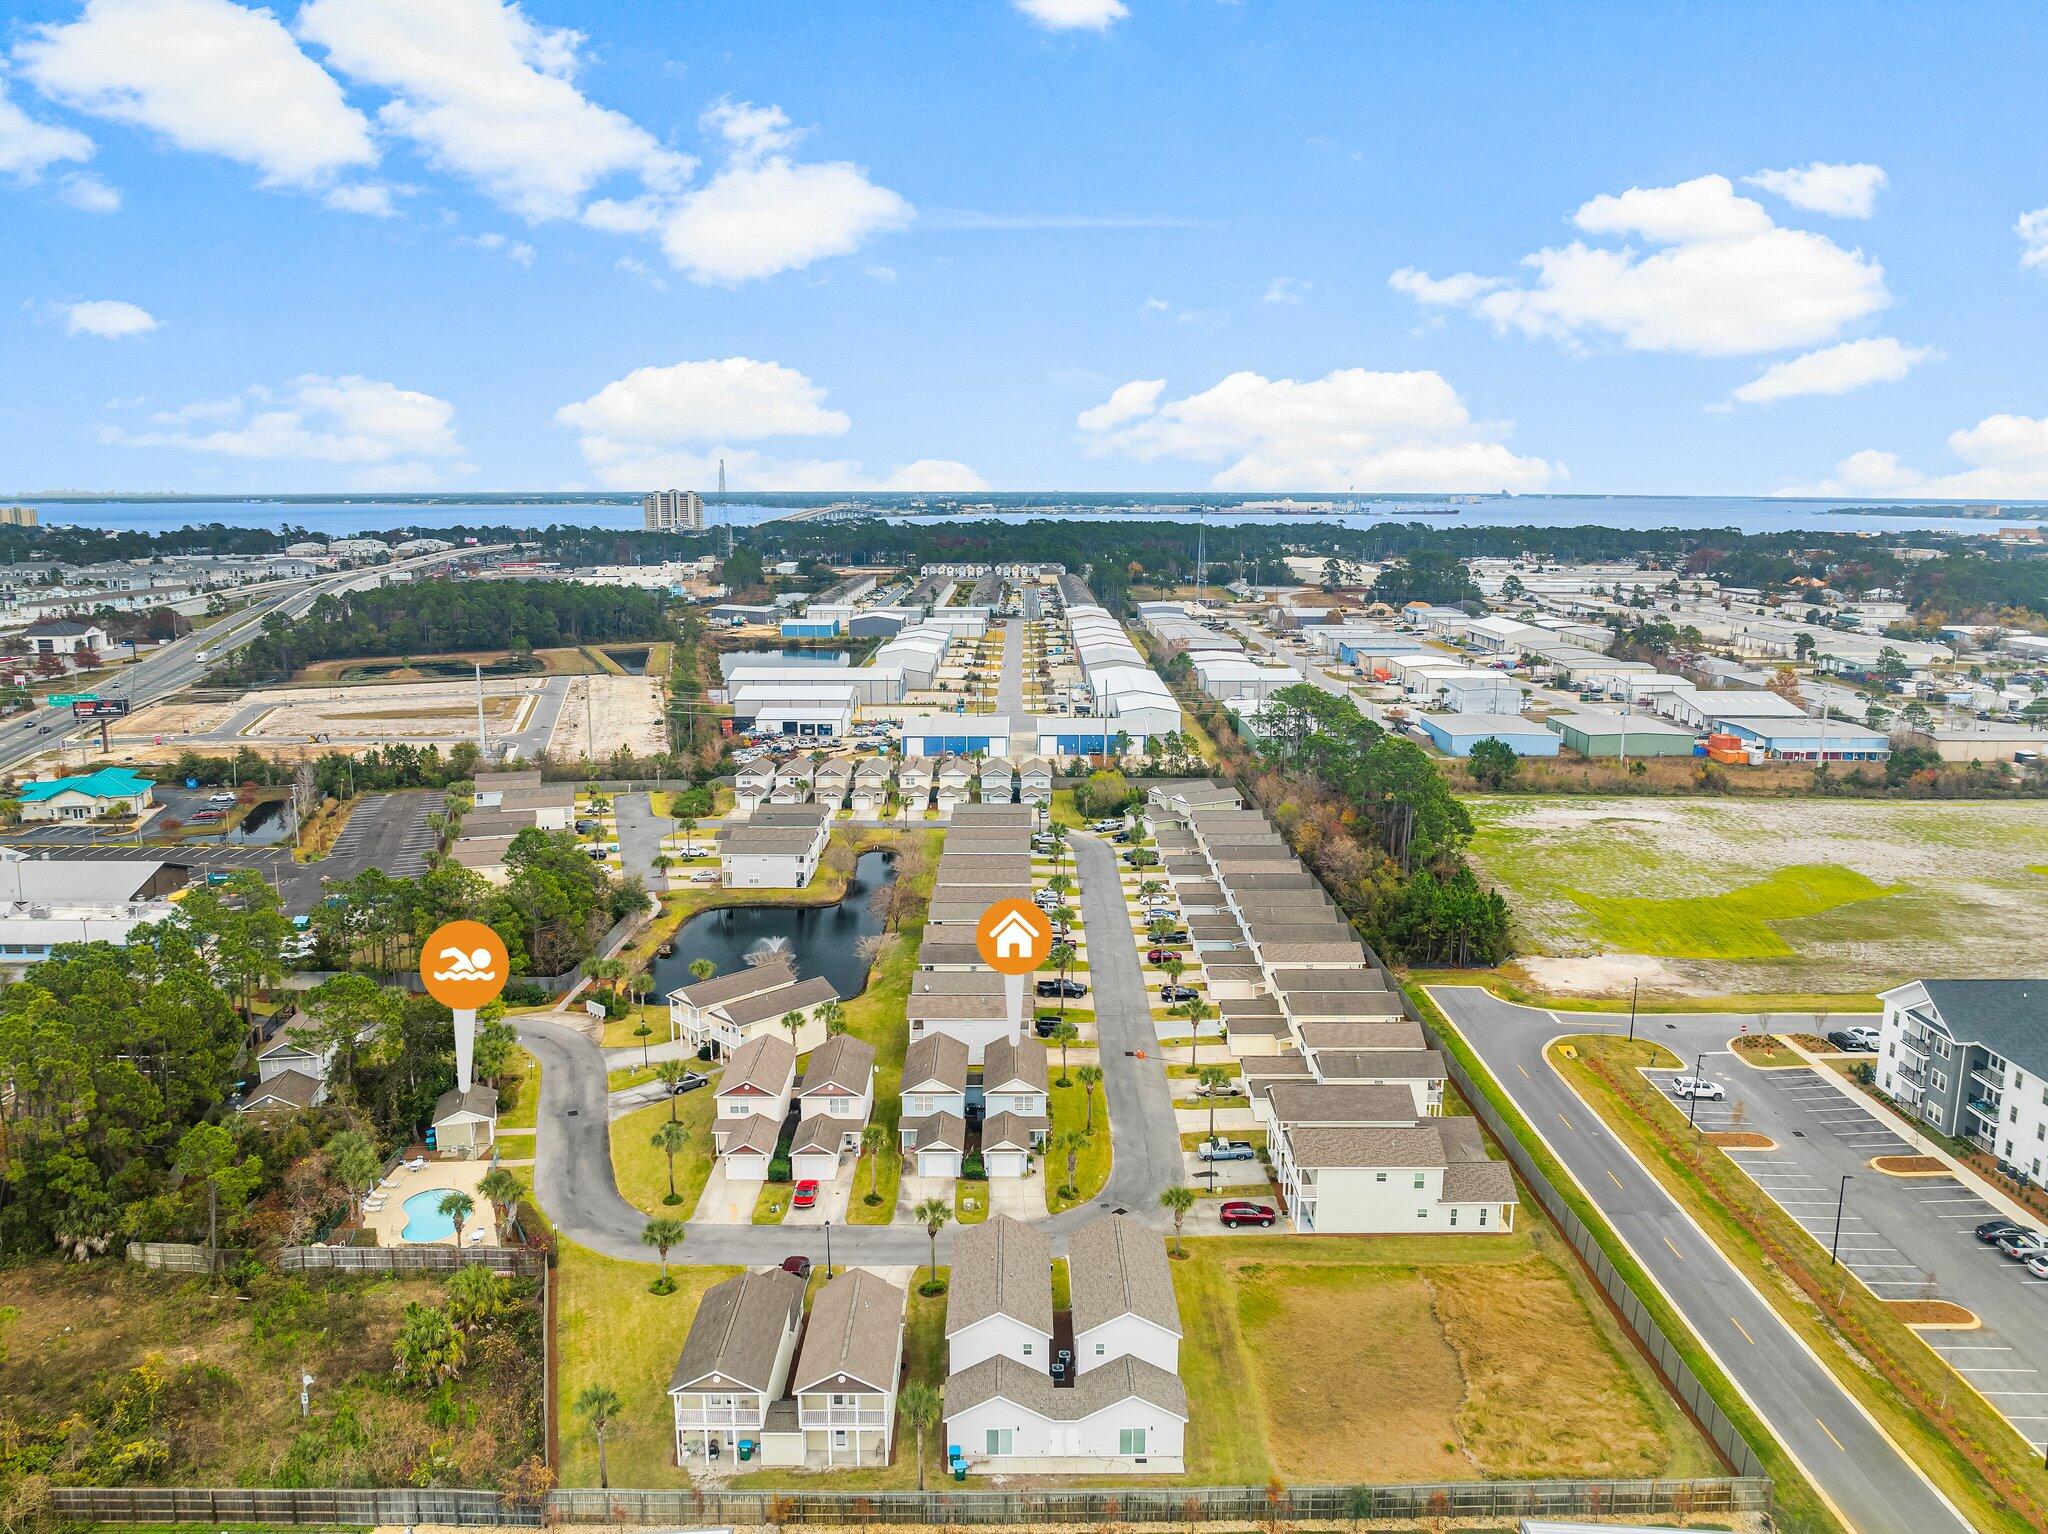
(770, 950)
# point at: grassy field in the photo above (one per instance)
(1761, 898)
(642, 1171)
(111, 1374)
(519, 1092)
(1966, 1449)
(453, 666)
(1068, 1109)
(1424, 1369)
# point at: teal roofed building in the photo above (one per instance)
(110, 791)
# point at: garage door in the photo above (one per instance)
(938, 1163)
(1006, 1163)
(747, 1168)
(819, 1164)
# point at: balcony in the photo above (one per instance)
(1994, 1084)
(1913, 1075)
(1986, 1110)
(1916, 1043)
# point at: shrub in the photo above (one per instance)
(778, 1169)
(524, 993)
(972, 1169)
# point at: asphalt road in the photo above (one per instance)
(177, 665)
(1905, 1238)
(640, 834)
(1876, 1488)
(572, 1147)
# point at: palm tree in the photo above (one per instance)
(458, 1207)
(1160, 929)
(1196, 1011)
(1180, 1200)
(671, 1139)
(834, 1015)
(503, 1190)
(933, 1213)
(355, 1164)
(1175, 966)
(919, 1404)
(794, 1022)
(599, 1406)
(1058, 958)
(1212, 1077)
(1063, 1034)
(662, 1232)
(1071, 1143)
(1090, 1077)
(1151, 889)
(1061, 886)
(874, 1140)
(702, 970)
(670, 1073)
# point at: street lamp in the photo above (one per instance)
(1841, 1198)
(828, 1248)
(1635, 990)
(1692, 1101)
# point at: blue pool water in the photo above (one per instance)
(423, 1218)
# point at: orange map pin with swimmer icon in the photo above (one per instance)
(464, 965)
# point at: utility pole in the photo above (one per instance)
(1692, 1102)
(1841, 1198)
(479, 711)
(1635, 990)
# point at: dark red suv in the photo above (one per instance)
(1242, 1211)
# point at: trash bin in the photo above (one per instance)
(959, 1469)
(746, 1448)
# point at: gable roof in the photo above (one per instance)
(749, 981)
(761, 1064)
(937, 1057)
(1002, 1377)
(1117, 1267)
(1001, 1267)
(478, 1099)
(287, 1089)
(738, 1331)
(1317, 1102)
(842, 1062)
(855, 1335)
(797, 997)
(2008, 1017)
(1013, 1063)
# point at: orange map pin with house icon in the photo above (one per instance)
(1014, 937)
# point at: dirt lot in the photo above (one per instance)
(622, 710)
(1716, 897)
(420, 711)
(178, 718)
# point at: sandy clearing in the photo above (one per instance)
(172, 718)
(619, 710)
(411, 711)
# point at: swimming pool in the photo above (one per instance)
(423, 1218)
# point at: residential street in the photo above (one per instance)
(1875, 1487)
(573, 1169)
(640, 834)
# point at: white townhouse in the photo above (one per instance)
(1034, 781)
(914, 783)
(1126, 1418)
(1433, 1175)
(832, 782)
(752, 784)
(692, 1008)
(933, 1122)
(846, 1372)
(832, 1103)
(999, 1297)
(871, 787)
(777, 848)
(1123, 1302)
(1421, 1071)
(998, 781)
(735, 1022)
(752, 1100)
(1014, 1105)
(970, 1006)
(734, 1364)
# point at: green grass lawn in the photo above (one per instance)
(642, 1171)
(771, 1204)
(611, 1331)
(1070, 1110)
(970, 1201)
(1736, 924)
(521, 1085)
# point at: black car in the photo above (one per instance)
(1176, 993)
(1067, 988)
(1991, 1230)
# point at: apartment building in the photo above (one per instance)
(1970, 1057)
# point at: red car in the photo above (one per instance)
(1161, 955)
(806, 1194)
(1242, 1211)
(207, 817)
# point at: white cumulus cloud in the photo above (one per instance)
(29, 147)
(392, 437)
(763, 215)
(1285, 290)
(1350, 428)
(1846, 191)
(207, 75)
(1834, 370)
(2032, 229)
(489, 94)
(671, 426)
(1723, 279)
(87, 193)
(107, 318)
(2003, 456)
(1074, 15)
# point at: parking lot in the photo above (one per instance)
(1904, 1238)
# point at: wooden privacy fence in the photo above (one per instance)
(1149, 1505)
(425, 1258)
(1634, 1314)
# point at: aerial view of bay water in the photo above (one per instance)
(342, 514)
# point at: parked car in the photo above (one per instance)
(1100, 827)
(1223, 1089)
(1698, 1086)
(1176, 993)
(2021, 1244)
(1991, 1230)
(2038, 1265)
(1161, 955)
(1227, 1150)
(1854, 1040)
(1120, 836)
(222, 798)
(1067, 988)
(799, 1265)
(1242, 1211)
(704, 876)
(806, 1195)
(1043, 1026)
(689, 1081)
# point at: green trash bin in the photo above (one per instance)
(746, 1448)
(959, 1469)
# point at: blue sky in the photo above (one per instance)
(1023, 244)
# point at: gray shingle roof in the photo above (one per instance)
(757, 1132)
(937, 1057)
(1353, 1037)
(938, 1131)
(798, 997)
(1013, 1131)
(741, 982)
(821, 1132)
(1100, 1388)
(2008, 1017)
(478, 1099)
(855, 1336)
(1118, 1267)
(1021, 1062)
(738, 1330)
(1479, 1182)
(1315, 1102)
(763, 1064)
(1394, 1064)
(1000, 1267)
(841, 1061)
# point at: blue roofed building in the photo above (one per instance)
(110, 791)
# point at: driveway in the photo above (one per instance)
(833, 1197)
(727, 1200)
(1824, 1428)
(640, 834)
